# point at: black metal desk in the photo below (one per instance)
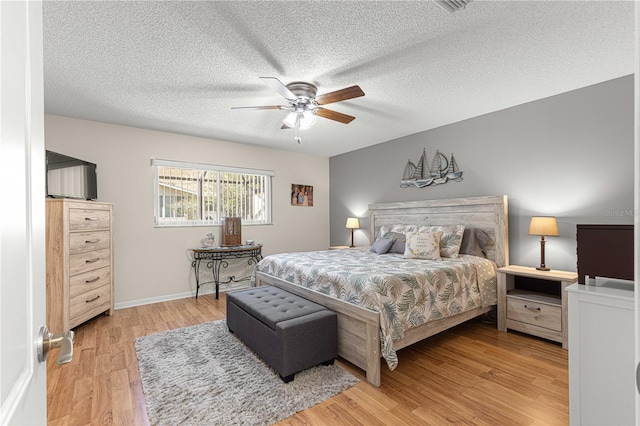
(217, 258)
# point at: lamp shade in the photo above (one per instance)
(290, 119)
(307, 119)
(544, 225)
(353, 223)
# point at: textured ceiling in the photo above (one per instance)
(180, 66)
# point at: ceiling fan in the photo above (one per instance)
(304, 104)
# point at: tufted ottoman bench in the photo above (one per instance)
(290, 333)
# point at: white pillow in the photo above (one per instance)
(422, 245)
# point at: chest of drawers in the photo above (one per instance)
(79, 251)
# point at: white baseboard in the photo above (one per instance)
(176, 296)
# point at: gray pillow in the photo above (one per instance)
(474, 242)
(381, 245)
(399, 242)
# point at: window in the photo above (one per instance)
(191, 194)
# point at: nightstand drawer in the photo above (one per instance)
(530, 312)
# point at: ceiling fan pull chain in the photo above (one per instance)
(296, 129)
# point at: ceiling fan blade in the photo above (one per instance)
(262, 107)
(334, 115)
(277, 85)
(339, 95)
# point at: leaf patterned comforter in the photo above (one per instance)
(406, 292)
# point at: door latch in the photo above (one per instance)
(48, 341)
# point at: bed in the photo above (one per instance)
(367, 326)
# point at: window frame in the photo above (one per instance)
(158, 222)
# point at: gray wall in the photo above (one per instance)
(569, 156)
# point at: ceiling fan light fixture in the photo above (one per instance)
(290, 119)
(307, 119)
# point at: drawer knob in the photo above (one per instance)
(92, 280)
(91, 218)
(97, 240)
(532, 308)
(92, 300)
(95, 259)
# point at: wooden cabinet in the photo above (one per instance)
(79, 250)
(601, 353)
(534, 302)
(231, 231)
(605, 251)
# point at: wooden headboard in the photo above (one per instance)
(487, 213)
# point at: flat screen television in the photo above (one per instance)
(69, 177)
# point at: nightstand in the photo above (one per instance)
(338, 247)
(534, 302)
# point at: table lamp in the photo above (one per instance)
(543, 226)
(352, 223)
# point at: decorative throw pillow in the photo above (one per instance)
(399, 228)
(404, 228)
(381, 245)
(474, 242)
(451, 238)
(384, 229)
(399, 240)
(423, 245)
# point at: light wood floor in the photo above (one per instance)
(472, 374)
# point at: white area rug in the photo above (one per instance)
(205, 375)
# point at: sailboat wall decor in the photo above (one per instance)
(441, 171)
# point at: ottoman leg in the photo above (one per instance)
(288, 378)
(326, 363)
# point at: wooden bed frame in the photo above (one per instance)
(358, 327)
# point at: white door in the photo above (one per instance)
(22, 215)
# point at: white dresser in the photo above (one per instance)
(601, 354)
(79, 262)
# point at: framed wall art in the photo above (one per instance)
(301, 195)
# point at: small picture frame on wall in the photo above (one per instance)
(301, 195)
